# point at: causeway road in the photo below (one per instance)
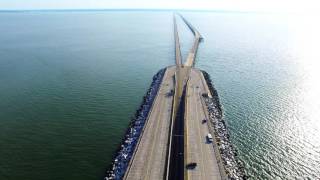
(149, 159)
(198, 150)
(197, 38)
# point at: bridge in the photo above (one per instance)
(174, 134)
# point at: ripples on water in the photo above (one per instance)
(70, 81)
(266, 69)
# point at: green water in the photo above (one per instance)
(71, 81)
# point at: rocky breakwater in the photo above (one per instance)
(125, 151)
(232, 165)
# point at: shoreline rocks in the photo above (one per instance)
(232, 165)
(125, 151)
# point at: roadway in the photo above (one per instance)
(174, 134)
(197, 38)
(175, 166)
(198, 149)
(149, 159)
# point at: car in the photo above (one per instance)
(205, 95)
(204, 121)
(191, 165)
(209, 137)
(170, 93)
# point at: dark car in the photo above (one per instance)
(191, 165)
(170, 93)
(204, 121)
(205, 95)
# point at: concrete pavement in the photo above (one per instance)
(149, 159)
(197, 38)
(198, 149)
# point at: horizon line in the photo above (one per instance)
(131, 9)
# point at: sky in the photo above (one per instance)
(231, 5)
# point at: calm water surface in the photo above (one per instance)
(70, 81)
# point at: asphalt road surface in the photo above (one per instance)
(198, 150)
(149, 160)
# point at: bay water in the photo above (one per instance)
(71, 80)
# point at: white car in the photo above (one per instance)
(209, 137)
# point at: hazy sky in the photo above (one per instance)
(238, 5)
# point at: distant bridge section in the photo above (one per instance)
(197, 38)
(177, 43)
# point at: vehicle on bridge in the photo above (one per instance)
(209, 137)
(191, 165)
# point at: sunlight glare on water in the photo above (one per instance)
(299, 129)
(306, 43)
(266, 69)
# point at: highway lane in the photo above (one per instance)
(198, 149)
(153, 158)
(149, 160)
(192, 28)
(197, 38)
(192, 54)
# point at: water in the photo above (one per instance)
(70, 81)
